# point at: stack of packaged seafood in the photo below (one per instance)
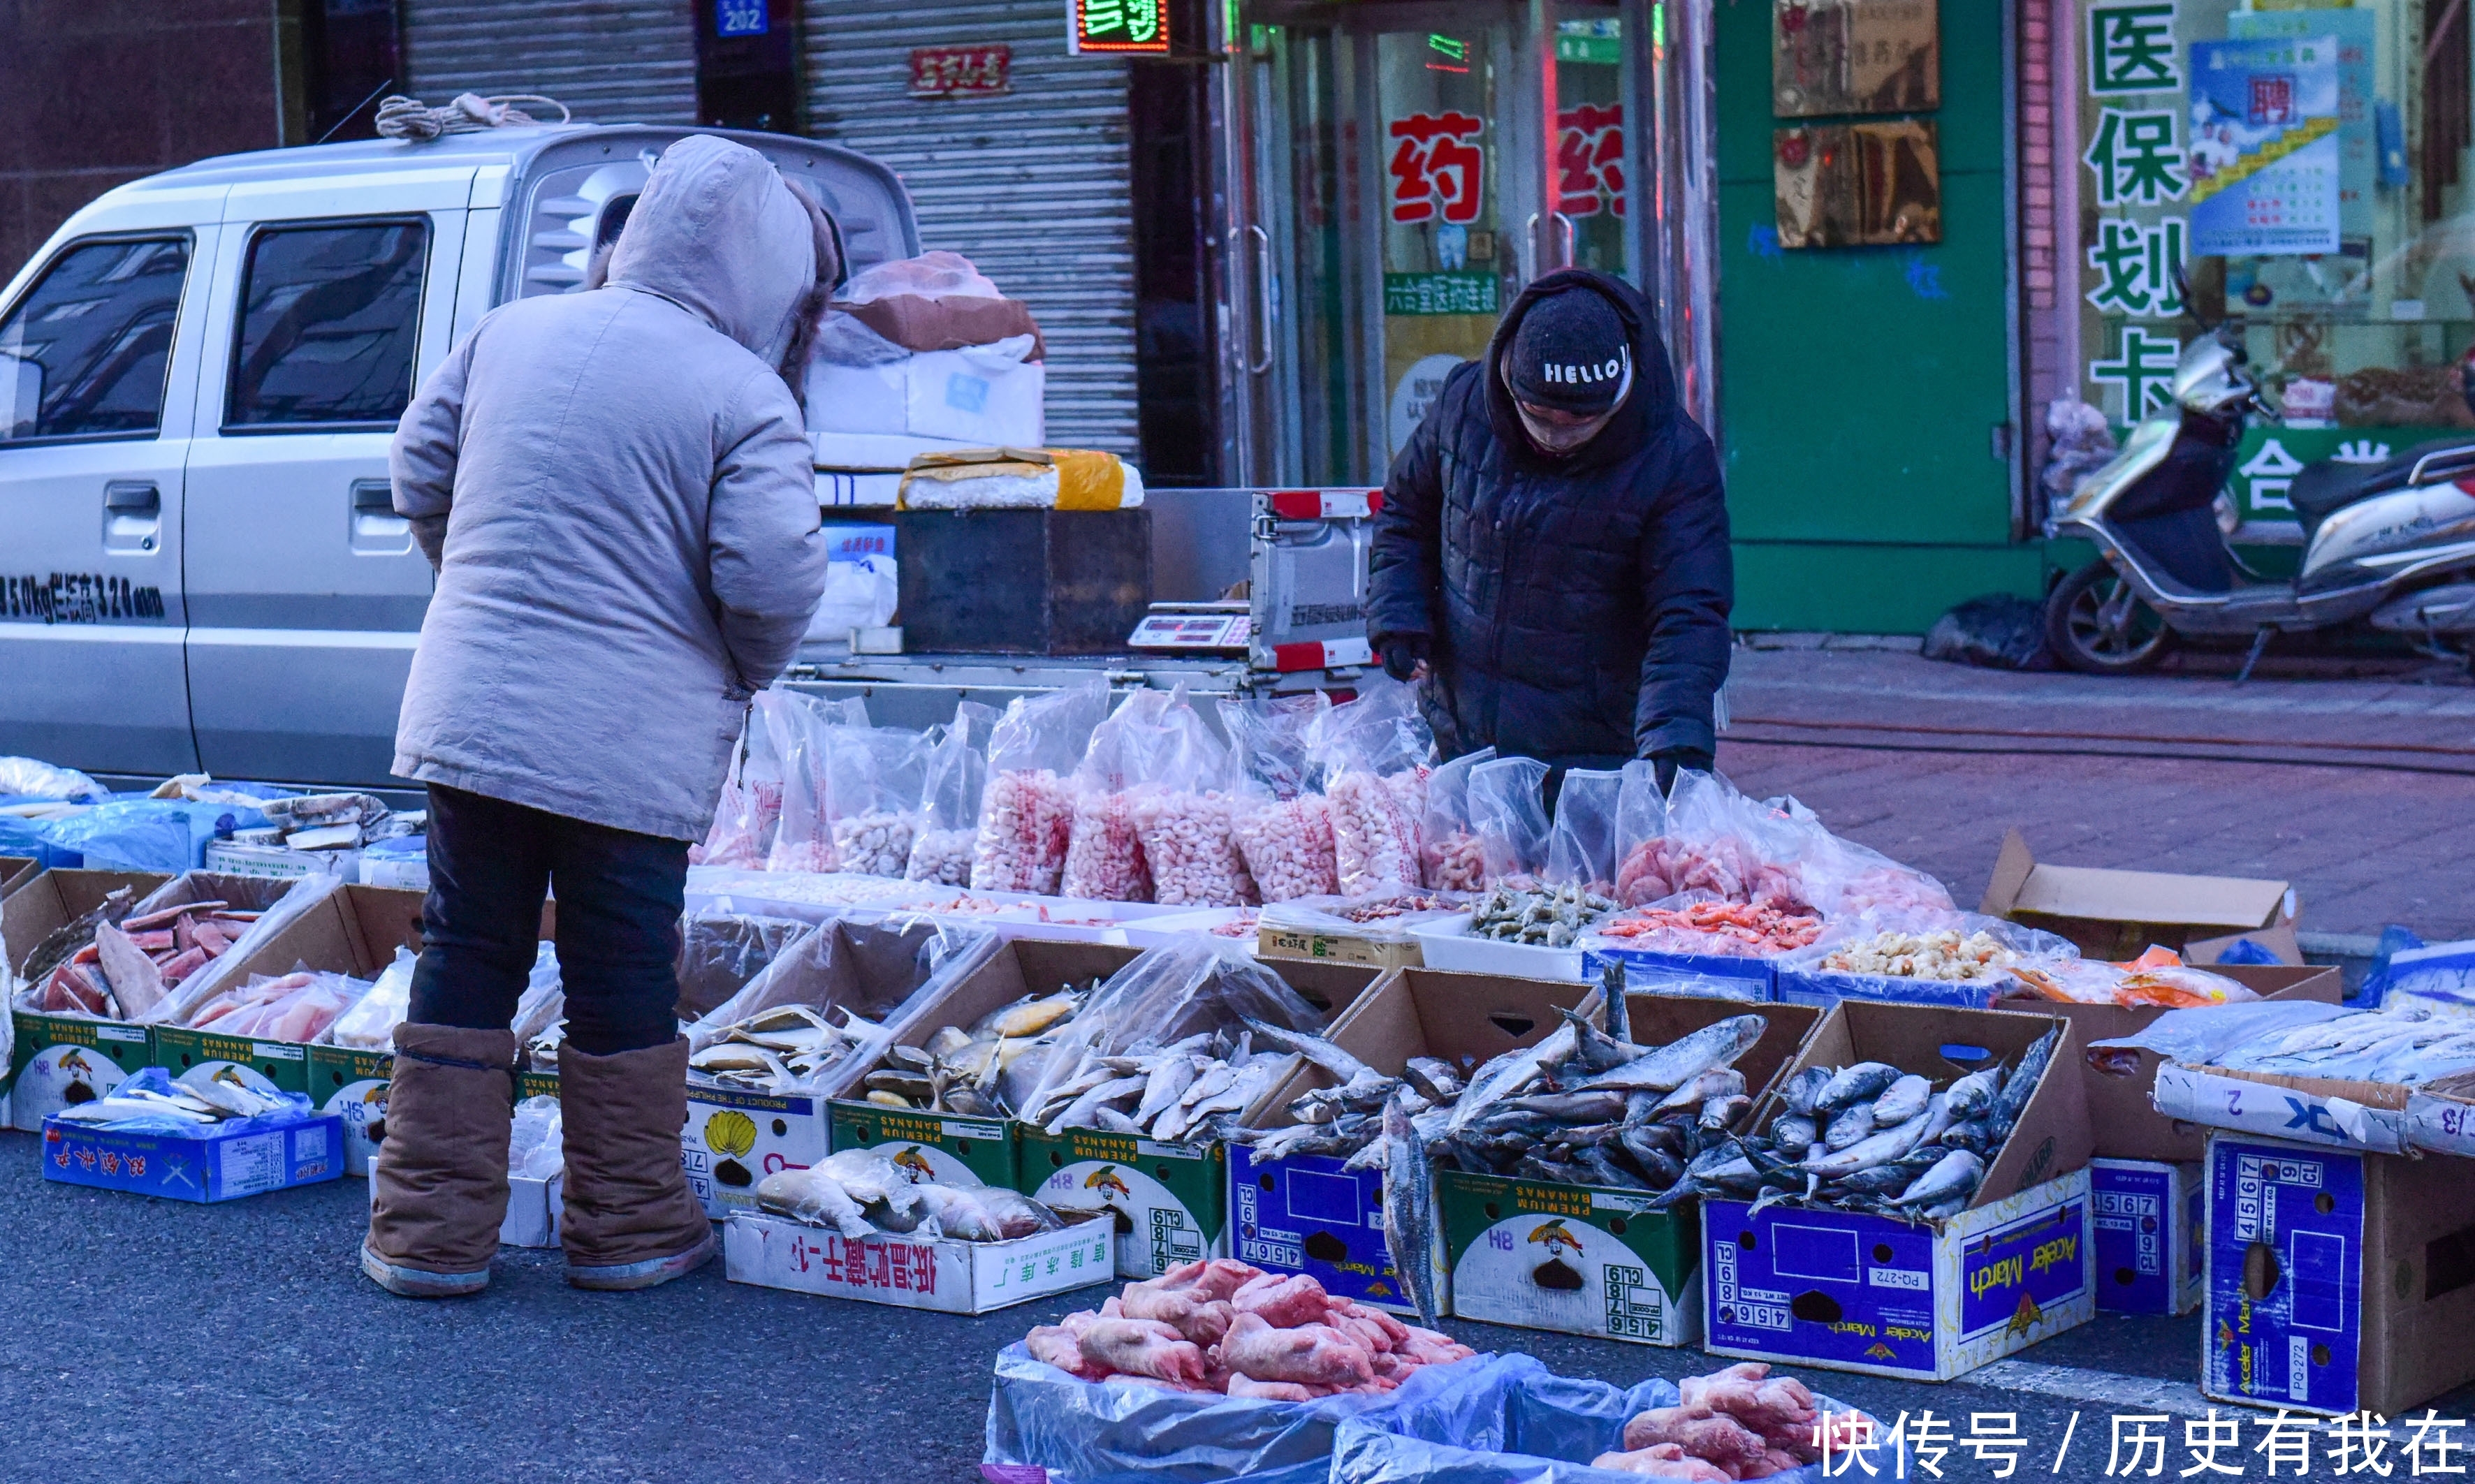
(2157, 977)
(859, 1193)
(150, 1101)
(1873, 1138)
(297, 1006)
(1225, 1327)
(1741, 1423)
(1941, 956)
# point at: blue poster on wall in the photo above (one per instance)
(2263, 159)
(739, 17)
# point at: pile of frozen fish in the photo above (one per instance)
(860, 1192)
(1873, 1138)
(328, 821)
(2403, 1047)
(109, 964)
(151, 1098)
(962, 1070)
(1741, 1423)
(780, 1049)
(1192, 1087)
(1222, 1325)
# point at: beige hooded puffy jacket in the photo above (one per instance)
(631, 537)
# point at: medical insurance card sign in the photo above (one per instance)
(2263, 160)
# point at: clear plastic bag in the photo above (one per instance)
(721, 951)
(277, 903)
(29, 778)
(370, 1024)
(868, 971)
(750, 809)
(535, 1148)
(951, 788)
(1028, 810)
(1186, 810)
(1374, 755)
(1450, 855)
(1641, 821)
(2196, 1038)
(1720, 841)
(1104, 854)
(1163, 996)
(1507, 808)
(874, 777)
(937, 274)
(808, 732)
(296, 1006)
(1581, 846)
(1283, 826)
(543, 1006)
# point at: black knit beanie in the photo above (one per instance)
(1570, 354)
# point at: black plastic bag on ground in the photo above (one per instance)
(1998, 631)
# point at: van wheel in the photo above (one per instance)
(2097, 624)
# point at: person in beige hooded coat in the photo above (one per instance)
(618, 494)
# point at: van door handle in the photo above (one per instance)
(133, 516)
(377, 530)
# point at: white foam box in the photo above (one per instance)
(534, 1207)
(1446, 943)
(945, 1276)
(2144, 1221)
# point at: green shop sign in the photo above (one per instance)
(2269, 458)
(1439, 293)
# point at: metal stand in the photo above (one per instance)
(2259, 646)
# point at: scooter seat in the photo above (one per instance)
(2330, 486)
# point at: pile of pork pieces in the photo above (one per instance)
(1223, 1326)
(1738, 1423)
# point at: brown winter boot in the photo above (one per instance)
(438, 1189)
(630, 1220)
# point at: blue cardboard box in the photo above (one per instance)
(1306, 1214)
(1759, 974)
(2335, 1281)
(2146, 1220)
(249, 1159)
(1864, 1293)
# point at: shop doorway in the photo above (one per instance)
(1408, 168)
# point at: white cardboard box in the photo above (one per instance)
(948, 1277)
(977, 398)
(281, 863)
(2298, 1110)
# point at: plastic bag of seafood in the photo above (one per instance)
(1738, 1423)
(828, 751)
(277, 904)
(1104, 851)
(1185, 815)
(1283, 826)
(951, 787)
(1641, 818)
(1581, 845)
(1027, 809)
(1374, 753)
(1448, 845)
(750, 809)
(1960, 958)
(1119, 1430)
(721, 950)
(1507, 807)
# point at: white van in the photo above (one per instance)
(200, 564)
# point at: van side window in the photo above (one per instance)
(85, 354)
(329, 320)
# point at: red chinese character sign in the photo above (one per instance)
(959, 71)
(1438, 168)
(1589, 160)
(1114, 26)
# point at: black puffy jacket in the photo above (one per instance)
(1576, 607)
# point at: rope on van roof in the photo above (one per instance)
(407, 118)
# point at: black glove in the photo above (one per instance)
(1403, 654)
(1670, 764)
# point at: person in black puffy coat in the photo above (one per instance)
(1552, 554)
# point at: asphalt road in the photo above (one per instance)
(162, 1341)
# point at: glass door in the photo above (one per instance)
(1397, 166)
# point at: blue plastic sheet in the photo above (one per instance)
(296, 1109)
(1086, 1432)
(170, 835)
(1513, 1423)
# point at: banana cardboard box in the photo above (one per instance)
(2337, 1281)
(1596, 1259)
(59, 1059)
(1912, 1298)
(732, 1139)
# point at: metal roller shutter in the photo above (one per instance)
(612, 61)
(1033, 185)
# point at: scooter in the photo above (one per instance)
(2392, 543)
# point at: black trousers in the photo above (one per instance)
(620, 895)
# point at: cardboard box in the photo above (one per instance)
(1168, 1202)
(950, 1149)
(355, 932)
(2116, 914)
(948, 1276)
(732, 1139)
(223, 1166)
(1306, 1214)
(1595, 1259)
(278, 861)
(15, 871)
(534, 1210)
(65, 1059)
(2146, 1223)
(1853, 1292)
(1918, 1298)
(2123, 1117)
(2327, 1111)
(2337, 1281)
(353, 1085)
(1277, 945)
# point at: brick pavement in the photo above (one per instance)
(2364, 846)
